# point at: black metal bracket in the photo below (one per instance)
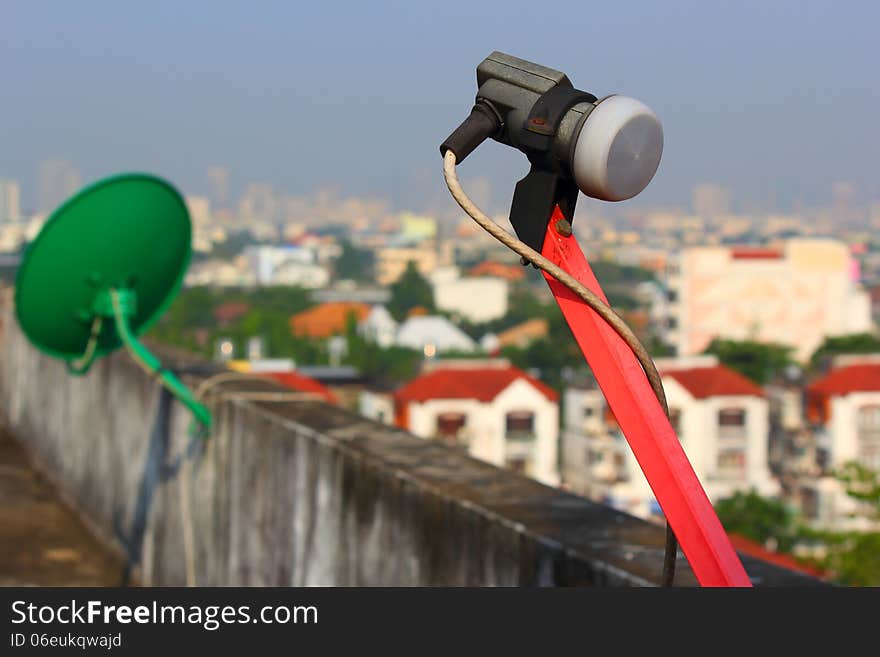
(547, 113)
(534, 199)
(545, 186)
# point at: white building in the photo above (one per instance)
(377, 405)
(796, 294)
(10, 201)
(220, 273)
(286, 265)
(843, 407)
(720, 417)
(300, 274)
(432, 335)
(12, 237)
(493, 410)
(379, 327)
(392, 261)
(474, 298)
(199, 208)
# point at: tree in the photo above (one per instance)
(354, 263)
(855, 343)
(392, 365)
(854, 557)
(863, 484)
(410, 290)
(856, 562)
(758, 361)
(271, 307)
(758, 518)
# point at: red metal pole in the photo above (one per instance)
(643, 422)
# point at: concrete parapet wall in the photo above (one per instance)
(292, 491)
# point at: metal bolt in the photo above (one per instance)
(563, 227)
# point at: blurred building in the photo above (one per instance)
(218, 181)
(286, 265)
(843, 202)
(12, 237)
(259, 203)
(57, 181)
(711, 201)
(392, 261)
(327, 319)
(199, 208)
(351, 291)
(417, 227)
(10, 201)
(498, 270)
(795, 294)
(524, 334)
(843, 407)
(474, 298)
(379, 327)
(495, 411)
(433, 335)
(299, 274)
(221, 273)
(301, 383)
(720, 417)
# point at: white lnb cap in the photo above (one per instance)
(618, 150)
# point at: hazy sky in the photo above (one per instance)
(776, 99)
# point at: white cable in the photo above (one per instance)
(588, 296)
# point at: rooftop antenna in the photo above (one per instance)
(101, 272)
(608, 148)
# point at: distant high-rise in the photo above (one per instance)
(10, 197)
(218, 184)
(843, 199)
(58, 180)
(711, 201)
(258, 203)
(199, 208)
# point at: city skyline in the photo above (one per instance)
(747, 97)
(56, 179)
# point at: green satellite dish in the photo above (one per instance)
(103, 269)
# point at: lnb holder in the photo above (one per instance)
(538, 111)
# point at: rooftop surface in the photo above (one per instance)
(42, 540)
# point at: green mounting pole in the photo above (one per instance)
(120, 305)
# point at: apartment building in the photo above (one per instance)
(720, 417)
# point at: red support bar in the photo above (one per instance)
(643, 422)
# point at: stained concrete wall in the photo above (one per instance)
(298, 492)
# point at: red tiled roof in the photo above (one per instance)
(482, 384)
(227, 312)
(754, 253)
(715, 381)
(751, 548)
(858, 377)
(327, 319)
(524, 333)
(490, 268)
(301, 383)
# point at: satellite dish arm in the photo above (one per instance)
(81, 365)
(122, 302)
